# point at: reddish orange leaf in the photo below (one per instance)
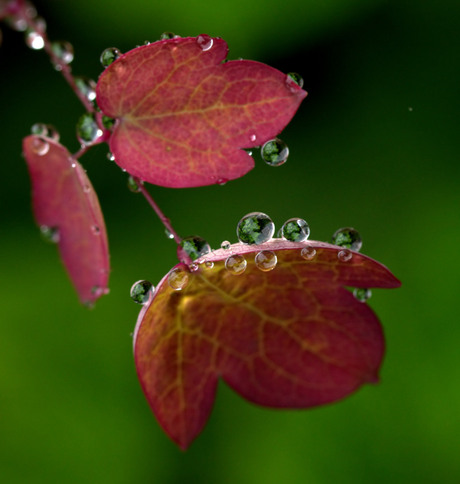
(66, 206)
(292, 337)
(184, 116)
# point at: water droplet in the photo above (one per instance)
(169, 235)
(362, 294)
(141, 291)
(134, 184)
(178, 278)
(266, 260)
(86, 86)
(46, 130)
(99, 291)
(295, 230)
(73, 165)
(205, 42)
(195, 246)
(40, 146)
(110, 156)
(248, 151)
(252, 137)
(255, 228)
(193, 267)
(34, 40)
(50, 234)
(236, 264)
(347, 237)
(87, 129)
(96, 229)
(108, 122)
(209, 264)
(109, 55)
(275, 152)
(293, 81)
(222, 181)
(168, 35)
(225, 245)
(344, 255)
(308, 253)
(63, 50)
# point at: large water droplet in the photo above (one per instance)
(236, 264)
(178, 278)
(40, 146)
(255, 228)
(308, 253)
(348, 238)
(294, 80)
(87, 129)
(50, 234)
(362, 294)
(109, 55)
(141, 291)
(205, 42)
(63, 50)
(34, 40)
(195, 246)
(275, 152)
(86, 86)
(266, 260)
(295, 230)
(344, 255)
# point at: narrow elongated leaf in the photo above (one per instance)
(293, 337)
(66, 206)
(184, 115)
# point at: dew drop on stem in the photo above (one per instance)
(86, 86)
(63, 50)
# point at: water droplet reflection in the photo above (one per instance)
(236, 264)
(266, 260)
(141, 291)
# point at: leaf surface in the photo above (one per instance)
(64, 200)
(184, 115)
(293, 337)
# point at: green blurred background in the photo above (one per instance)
(375, 146)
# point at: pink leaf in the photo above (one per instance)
(292, 337)
(184, 115)
(64, 202)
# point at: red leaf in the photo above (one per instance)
(293, 337)
(183, 115)
(64, 199)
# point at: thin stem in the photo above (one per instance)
(20, 10)
(164, 220)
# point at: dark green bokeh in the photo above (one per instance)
(374, 146)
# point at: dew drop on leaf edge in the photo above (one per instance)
(178, 278)
(265, 260)
(134, 185)
(274, 152)
(49, 234)
(40, 146)
(347, 237)
(362, 294)
(109, 55)
(236, 264)
(225, 245)
(141, 291)
(46, 130)
(295, 230)
(308, 253)
(205, 42)
(255, 228)
(344, 255)
(195, 246)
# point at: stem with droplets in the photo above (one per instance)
(19, 9)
